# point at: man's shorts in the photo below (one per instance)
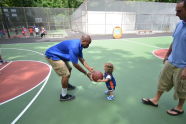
(169, 78)
(62, 68)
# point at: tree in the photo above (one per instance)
(42, 3)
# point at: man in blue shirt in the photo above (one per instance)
(64, 52)
(174, 72)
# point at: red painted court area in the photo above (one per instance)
(18, 77)
(160, 53)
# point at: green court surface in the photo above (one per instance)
(136, 72)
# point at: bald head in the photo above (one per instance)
(86, 37)
(85, 40)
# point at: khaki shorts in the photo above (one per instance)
(169, 78)
(62, 68)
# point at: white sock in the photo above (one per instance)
(64, 91)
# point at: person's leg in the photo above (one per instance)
(62, 70)
(180, 94)
(70, 86)
(110, 95)
(165, 83)
(180, 104)
(155, 99)
(64, 96)
(64, 82)
(110, 91)
(178, 109)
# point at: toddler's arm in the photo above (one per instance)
(103, 80)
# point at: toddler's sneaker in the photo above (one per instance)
(110, 98)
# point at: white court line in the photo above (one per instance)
(29, 89)
(143, 44)
(6, 65)
(25, 50)
(31, 102)
(35, 97)
(133, 38)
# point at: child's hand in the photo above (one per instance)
(99, 80)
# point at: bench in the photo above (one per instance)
(54, 35)
(144, 31)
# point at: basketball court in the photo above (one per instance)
(29, 88)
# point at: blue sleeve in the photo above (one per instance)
(176, 28)
(73, 57)
(81, 54)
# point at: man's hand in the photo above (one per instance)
(164, 60)
(89, 75)
(91, 69)
(183, 74)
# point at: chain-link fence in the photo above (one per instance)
(101, 16)
(92, 17)
(54, 20)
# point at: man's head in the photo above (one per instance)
(85, 40)
(181, 10)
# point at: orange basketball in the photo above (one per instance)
(97, 75)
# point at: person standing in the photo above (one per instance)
(43, 32)
(36, 31)
(31, 31)
(173, 73)
(109, 80)
(64, 52)
(16, 31)
(24, 31)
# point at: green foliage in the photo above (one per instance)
(56, 3)
(42, 3)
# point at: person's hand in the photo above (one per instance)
(99, 80)
(164, 60)
(91, 69)
(183, 74)
(89, 75)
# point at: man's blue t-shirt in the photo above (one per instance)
(68, 50)
(178, 54)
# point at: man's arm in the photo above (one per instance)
(77, 66)
(85, 64)
(168, 53)
(103, 80)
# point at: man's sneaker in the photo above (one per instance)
(71, 87)
(110, 98)
(67, 97)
